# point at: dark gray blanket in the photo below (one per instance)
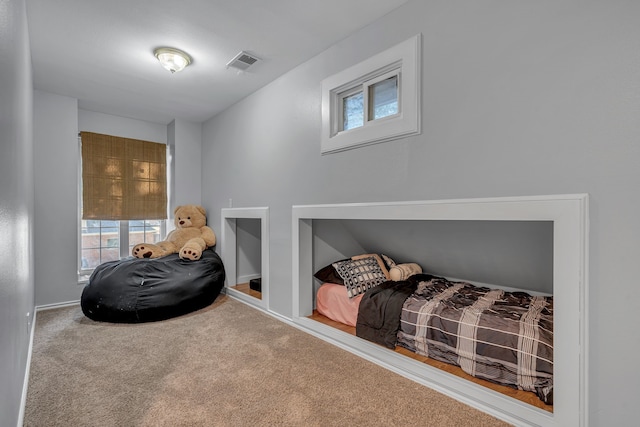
(380, 310)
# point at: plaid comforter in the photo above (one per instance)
(504, 337)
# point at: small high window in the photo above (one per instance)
(374, 101)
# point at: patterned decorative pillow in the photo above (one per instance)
(329, 274)
(360, 275)
(378, 258)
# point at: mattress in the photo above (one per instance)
(333, 302)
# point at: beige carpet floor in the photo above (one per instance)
(226, 365)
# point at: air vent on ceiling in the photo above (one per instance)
(242, 61)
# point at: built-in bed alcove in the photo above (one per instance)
(245, 253)
(325, 233)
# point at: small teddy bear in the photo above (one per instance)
(190, 237)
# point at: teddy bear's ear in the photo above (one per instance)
(202, 210)
(175, 211)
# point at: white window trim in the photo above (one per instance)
(403, 60)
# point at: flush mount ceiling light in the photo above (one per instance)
(172, 59)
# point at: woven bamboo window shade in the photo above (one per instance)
(122, 178)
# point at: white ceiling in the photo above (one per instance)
(101, 51)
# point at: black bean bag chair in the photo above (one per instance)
(136, 290)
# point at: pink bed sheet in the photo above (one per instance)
(332, 301)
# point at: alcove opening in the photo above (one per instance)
(245, 252)
(568, 215)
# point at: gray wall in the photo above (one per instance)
(510, 254)
(56, 198)
(57, 121)
(16, 206)
(248, 249)
(519, 98)
(124, 127)
(185, 144)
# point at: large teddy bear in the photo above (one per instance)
(190, 237)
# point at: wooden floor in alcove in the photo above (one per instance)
(524, 396)
(245, 289)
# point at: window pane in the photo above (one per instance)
(144, 232)
(90, 258)
(353, 108)
(153, 230)
(383, 98)
(99, 242)
(109, 226)
(110, 254)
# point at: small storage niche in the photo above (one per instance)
(245, 252)
(537, 244)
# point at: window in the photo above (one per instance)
(121, 180)
(374, 101)
(102, 240)
(380, 96)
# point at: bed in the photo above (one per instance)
(136, 290)
(500, 336)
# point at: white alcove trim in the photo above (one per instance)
(569, 214)
(229, 250)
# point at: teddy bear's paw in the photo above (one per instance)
(190, 254)
(142, 251)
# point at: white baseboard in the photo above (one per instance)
(27, 370)
(56, 305)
